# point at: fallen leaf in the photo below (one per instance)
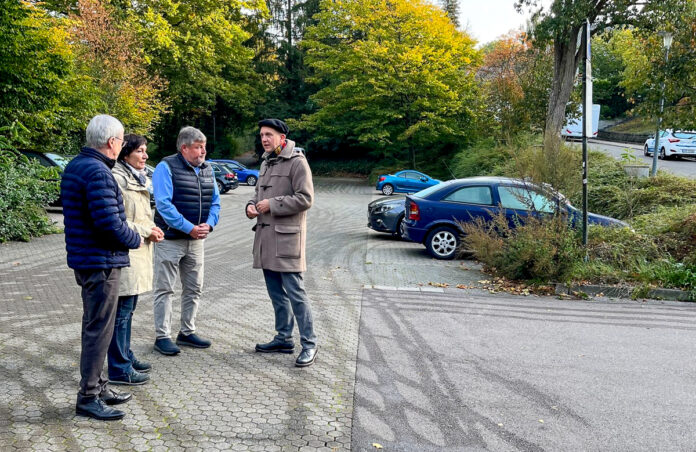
(438, 284)
(462, 286)
(28, 298)
(377, 445)
(500, 425)
(541, 420)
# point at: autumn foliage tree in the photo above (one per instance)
(112, 58)
(396, 76)
(515, 78)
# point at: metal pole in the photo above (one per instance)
(586, 124)
(653, 172)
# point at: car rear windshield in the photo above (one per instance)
(685, 135)
(428, 191)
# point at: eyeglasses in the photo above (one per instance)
(123, 142)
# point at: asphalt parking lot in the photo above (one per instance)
(404, 364)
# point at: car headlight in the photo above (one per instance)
(382, 209)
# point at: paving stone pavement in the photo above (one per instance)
(222, 398)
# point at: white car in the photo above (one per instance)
(672, 144)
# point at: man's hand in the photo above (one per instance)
(200, 231)
(156, 235)
(251, 211)
(263, 206)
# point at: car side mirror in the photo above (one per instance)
(424, 179)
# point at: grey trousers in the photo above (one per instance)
(99, 302)
(290, 303)
(185, 258)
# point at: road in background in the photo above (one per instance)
(683, 167)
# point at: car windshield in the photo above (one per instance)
(60, 160)
(685, 135)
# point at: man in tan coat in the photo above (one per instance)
(283, 194)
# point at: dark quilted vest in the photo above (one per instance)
(193, 194)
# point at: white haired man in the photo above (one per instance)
(187, 205)
(97, 240)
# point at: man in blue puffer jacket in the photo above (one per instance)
(97, 239)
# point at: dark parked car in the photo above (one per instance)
(387, 215)
(50, 159)
(225, 178)
(244, 174)
(432, 214)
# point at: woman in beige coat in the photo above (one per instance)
(129, 172)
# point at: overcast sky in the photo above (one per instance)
(486, 20)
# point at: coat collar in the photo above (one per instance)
(93, 153)
(286, 153)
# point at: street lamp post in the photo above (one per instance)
(667, 41)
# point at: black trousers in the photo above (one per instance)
(99, 302)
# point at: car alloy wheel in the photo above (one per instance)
(388, 189)
(251, 180)
(221, 189)
(442, 242)
(646, 150)
(663, 155)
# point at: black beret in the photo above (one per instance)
(275, 124)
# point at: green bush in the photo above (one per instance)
(538, 250)
(25, 187)
(483, 159)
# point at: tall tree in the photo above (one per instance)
(451, 7)
(111, 56)
(642, 56)
(516, 79)
(396, 76)
(561, 24)
(199, 47)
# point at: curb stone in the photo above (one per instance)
(623, 292)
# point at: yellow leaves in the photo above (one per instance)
(377, 445)
(434, 284)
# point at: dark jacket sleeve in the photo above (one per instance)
(106, 210)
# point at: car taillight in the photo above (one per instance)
(673, 140)
(382, 178)
(229, 176)
(413, 211)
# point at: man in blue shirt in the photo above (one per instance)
(187, 205)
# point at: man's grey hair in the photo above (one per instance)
(187, 136)
(100, 129)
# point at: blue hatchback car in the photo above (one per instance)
(432, 214)
(407, 181)
(244, 174)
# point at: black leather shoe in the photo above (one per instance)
(97, 409)
(141, 366)
(276, 346)
(306, 357)
(166, 347)
(134, 378)
(192, 340)
(111, 397)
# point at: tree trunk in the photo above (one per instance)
(565, 64)
(288, 29)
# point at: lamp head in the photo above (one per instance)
(666, 38)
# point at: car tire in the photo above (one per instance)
(442, 242)
(400, 227)
(251, 181)
(646, 152)
(387, 189)
(221, 189)
(662, 154)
